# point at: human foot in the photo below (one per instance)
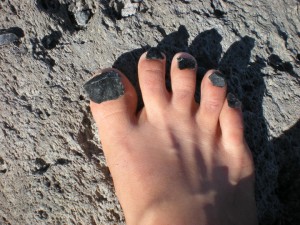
(175, 161)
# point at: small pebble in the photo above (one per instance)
(123, 8)
(8, 38)
(83, 17)
(80, 15)
(129, 9)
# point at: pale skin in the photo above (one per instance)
(176, 161)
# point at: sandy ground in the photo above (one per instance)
(52, 168)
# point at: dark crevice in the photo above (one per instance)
(41, 166)
(3, 166)
(40, 53)
(52, 6)
(85, 139)
(50, 41)
(62, 161)
(43, 215)
(218, 9)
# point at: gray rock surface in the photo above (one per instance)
(52, 168)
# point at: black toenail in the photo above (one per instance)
(154, 53)
(217, 79)
(104, 87)
(186, 63)
(233, 102)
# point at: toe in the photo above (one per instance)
(231, 122)
(213, 93)
(113, 104)
(235, 148)
(152, 69)
(183, 77)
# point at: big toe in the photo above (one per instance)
(113, 104)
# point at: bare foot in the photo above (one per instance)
(175, 162)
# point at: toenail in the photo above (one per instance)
(104, 87)
(233, 102)
(217, 79)
(154, 53)
(186, 63)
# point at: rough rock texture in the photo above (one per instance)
(52, 168)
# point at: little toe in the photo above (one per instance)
(183, 78)
(232, 139)
(113, 103)
(152, 69)
(213, 93)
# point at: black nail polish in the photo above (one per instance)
(154, 53)
(217, 79)
(104, 87)
(233, 102)
(186, 63)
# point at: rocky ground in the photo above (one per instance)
(52, 169)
